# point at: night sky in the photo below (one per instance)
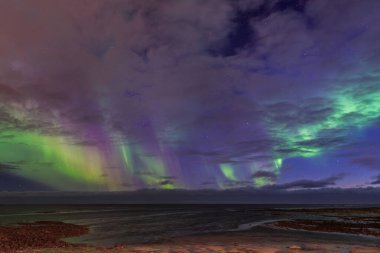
(189, 94)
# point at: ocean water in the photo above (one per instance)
(133, 224)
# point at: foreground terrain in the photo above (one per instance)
(359, 223)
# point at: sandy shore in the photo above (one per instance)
(46, 237)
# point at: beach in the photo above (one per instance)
(47, 237)
(294, 230)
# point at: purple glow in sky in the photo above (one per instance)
(215, 94)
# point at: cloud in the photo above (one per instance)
(166, 182)
(308, 184)
(5, 166)
(165, 33)
(267, 174)
(228, 184)
(201, 83)
(376, 180)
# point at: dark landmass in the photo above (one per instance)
(339, 211)
(359, 221)
(371, 229)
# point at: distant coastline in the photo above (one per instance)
(261, 196)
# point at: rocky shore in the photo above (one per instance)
(43, 234)
(370, 229)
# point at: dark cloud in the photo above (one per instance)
(168, 177)
(324, 143)
(309, 111)
(267, 174)
(192, 152)
(5, 166)
(376, 180)
(308, 184)
(237, 184)
(166, 182)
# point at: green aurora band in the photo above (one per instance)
(55, 161)
(354, 107)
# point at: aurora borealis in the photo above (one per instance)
(145, 94)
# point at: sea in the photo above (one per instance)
(138, 224)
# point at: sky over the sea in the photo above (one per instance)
(189, 94)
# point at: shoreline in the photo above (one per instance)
(47, 236)
(301, 229)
